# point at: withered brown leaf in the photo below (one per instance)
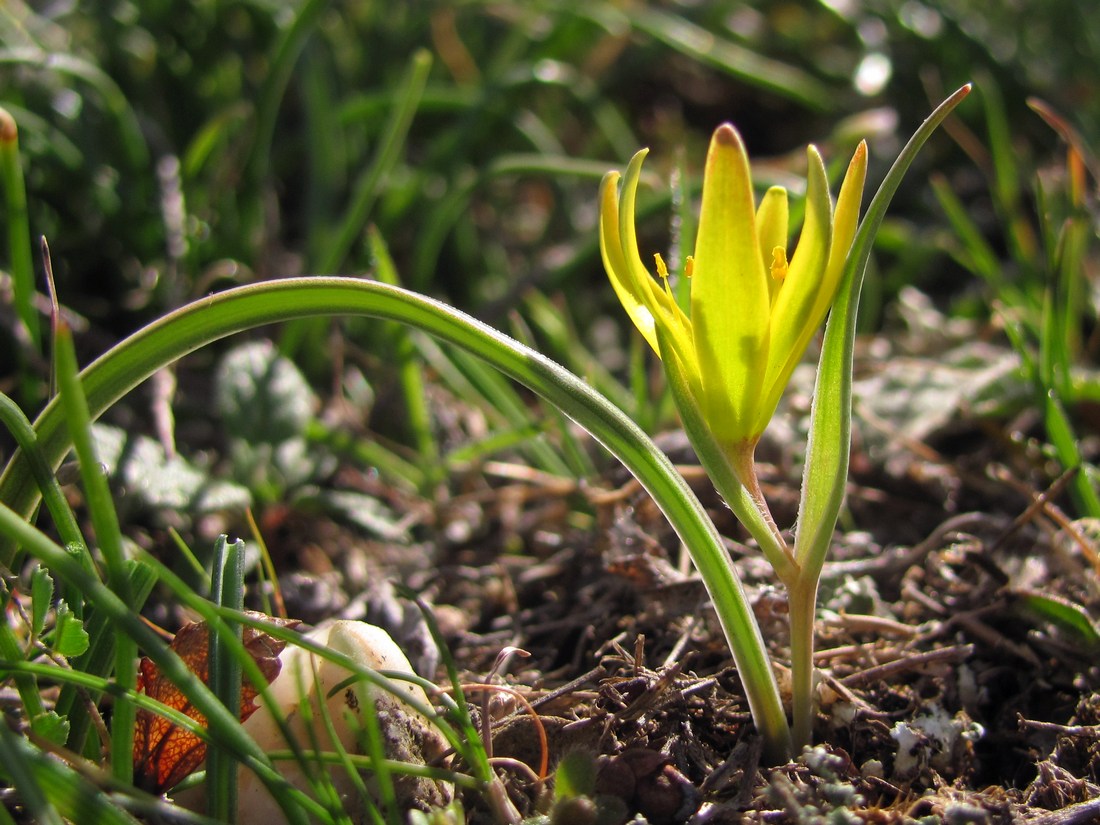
(165, 753)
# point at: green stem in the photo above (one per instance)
(770, 720)
(802, 601)
(742, 458)
(721, 464)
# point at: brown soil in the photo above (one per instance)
(959, 670)
(943, 691)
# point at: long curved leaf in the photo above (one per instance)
(826, 470)
(118, 371)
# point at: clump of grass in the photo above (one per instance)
(1041, 293)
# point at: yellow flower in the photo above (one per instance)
(753, 309)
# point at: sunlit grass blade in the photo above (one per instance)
(101, 508)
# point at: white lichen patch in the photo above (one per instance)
(934, 739)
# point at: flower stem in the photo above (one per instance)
(802, 596)
(742, 458)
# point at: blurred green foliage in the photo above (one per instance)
(173, 148)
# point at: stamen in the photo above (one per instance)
(689, 266)
(662, 270)
(779, 263)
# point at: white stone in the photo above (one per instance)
(407, 734)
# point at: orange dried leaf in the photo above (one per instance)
(165, 753)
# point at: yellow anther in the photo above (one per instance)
(662, 270)
(779, 263)
(689, 266)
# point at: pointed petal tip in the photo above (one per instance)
(727, 135)
(857, 166)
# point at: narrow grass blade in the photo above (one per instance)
(225, 676)
(122, 616)
(99, 658)
(19, 232)
(1007, 175)
(568, 445)
(368, 187)
(20, 428)
(101, 508)
(1069, 616)
(129, 129)
(469, 378)
(399, 470)
(283, 58)
(567, 345)
(1062, 436)
(732, 58)
(218, 618)
(976, 254)
(20, 765)
(27, 686)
